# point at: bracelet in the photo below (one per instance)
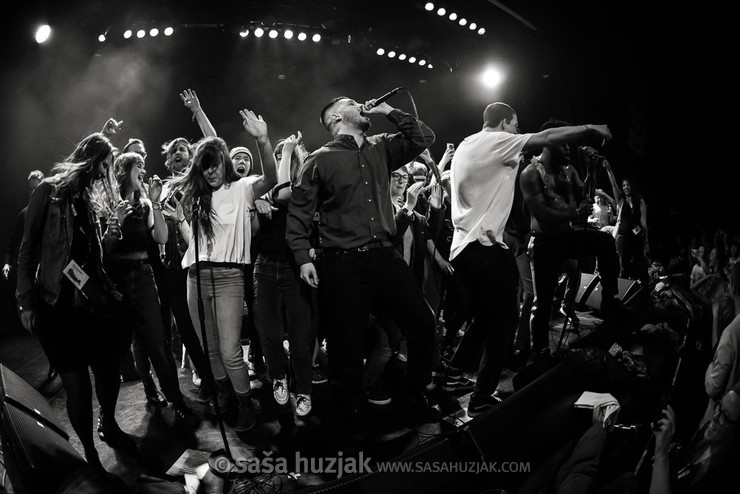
(195, 113)
(179, 222)
(156, 206)
(587, 127)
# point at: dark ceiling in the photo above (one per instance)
(616, 62)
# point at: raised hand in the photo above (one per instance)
(112, 127)
(253, 124)
(190, 99)
(155, 188)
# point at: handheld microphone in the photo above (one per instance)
(382, 98)
(590, 152)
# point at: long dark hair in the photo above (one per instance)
(123, 165)
(74, 174)
(208, 152)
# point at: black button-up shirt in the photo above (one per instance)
(349, 186)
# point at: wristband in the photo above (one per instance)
(156, 206)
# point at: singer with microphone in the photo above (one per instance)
(347, 181)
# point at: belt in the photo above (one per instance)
(127, 263)
(376, 244)
(210, 264)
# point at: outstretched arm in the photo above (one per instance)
(257, 128)
(562, 135)
(190, 99)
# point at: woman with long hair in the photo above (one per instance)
(219, 202)
(64, 294)
(127, 261)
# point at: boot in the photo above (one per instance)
(205, 392)
(247, 415)
(153, 397)
(224, 394)
(110, 433)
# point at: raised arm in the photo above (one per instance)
(190, 99)
(257, 128)
(413, 137)
(613, 181)
(289, 146)
(111, 127)
(159, 231)
(562, 135)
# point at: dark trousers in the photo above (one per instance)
(547, 252)
(278, 290)
(351, 285)
(174, 290)
(632, 261)
(490, 277)
(135, 280)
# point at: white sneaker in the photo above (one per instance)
(301, 404)
(280, 390)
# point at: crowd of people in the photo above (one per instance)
(366, 249)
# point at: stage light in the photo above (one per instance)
(288, 34)
(380, 52)
(441, 11)
(422, 62)
(168, 31)
(42, 33)
(127, 34)
(302, 36)
(153, 32)
(453, 16)
(429, 6)
(273, 33)
(430, 66)
(412, 59)
(140, 33)
(101, 38)
(481, 31)
(391, 54)
(402, 56)
(491, 77)
(473, 26)
(259, 32)
(316, 38)
(244, 33)
(462, 21)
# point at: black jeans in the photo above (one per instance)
(490, 276)
(547, 252)
(351, 285)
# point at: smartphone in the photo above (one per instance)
(450, 145)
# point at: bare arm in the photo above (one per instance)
(156, 217)
(257, 128)
(613, 181)
(190, 99)
(561, 135)
(535, 199)
(289, 147)
(643, 223)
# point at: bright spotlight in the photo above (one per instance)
(168, 31)
(302, 36)
(273, 33)
(429, 6)
(482, 31)
(259, 32)
(453, 16)
(391, 54)
(288, 34)
(430, 66)
(473, 26)
(491, 77)
(402, 56)
(412, 59)
(101, 38)
(42, 33)
(422, 62)
(462, 21)
(127, 34)
(140, 33)
(244, 33)
(441, 11)
(316, 38)
(380, 52)
(153, 32)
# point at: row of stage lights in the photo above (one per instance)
(452, 16)
(404, 58)
(257, 32)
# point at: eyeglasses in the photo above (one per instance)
(399, 177)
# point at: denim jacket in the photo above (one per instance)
(45, 249)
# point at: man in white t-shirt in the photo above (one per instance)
(483, 179)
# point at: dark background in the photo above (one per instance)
(644, 68)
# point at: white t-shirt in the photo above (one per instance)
(483, 178)
(232, 230)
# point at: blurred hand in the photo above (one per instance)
(663, 430)
(190, 99)
(112, 127)
(412, 194)
(253, 124)
(155, 188)
(6, 271)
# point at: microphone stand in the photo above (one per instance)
(201, 317)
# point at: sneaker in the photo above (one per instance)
(378, 395)
(301, 404)
(197, 381)
(247, 417)
(184, 414)
(318, 376)
(153, 397)
(480, 404)
(280, 390)
(421, 408)
(454, 379)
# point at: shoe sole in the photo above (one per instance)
(380, 402)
